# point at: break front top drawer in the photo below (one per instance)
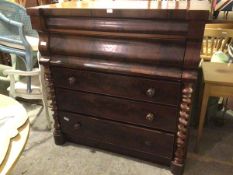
(156, 91)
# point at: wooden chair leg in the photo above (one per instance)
(202, 116)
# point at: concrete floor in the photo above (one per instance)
(43, 157)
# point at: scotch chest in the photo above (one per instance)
(121, 74)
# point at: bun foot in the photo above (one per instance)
(59, 137)
(177, 169)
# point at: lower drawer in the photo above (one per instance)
(122, 136)
(139, 113)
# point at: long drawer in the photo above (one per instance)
(120, 135)
(120, 25)
(139, 113)
(156, 91)
(165, 52)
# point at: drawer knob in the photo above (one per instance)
(150, 117)
(71, 80)
(147, 143)
(77, 126)
(150, 92)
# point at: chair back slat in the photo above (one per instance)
(212, 44)
(207, 43)
(215, 40)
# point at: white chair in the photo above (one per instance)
(17, 37)
(19, 88)
(16, 34)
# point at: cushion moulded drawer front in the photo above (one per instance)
(162, 52)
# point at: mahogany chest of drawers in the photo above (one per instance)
(121, 74)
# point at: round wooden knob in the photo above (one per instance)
(150, 92)
(150, 117)
(71, 80)
(77, 126)
(147, 143)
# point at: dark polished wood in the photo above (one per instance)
(121, 74)
(116, 25)
(120, 50)
(140, 70)
(121, 135)
(117, 109)
(165, 92)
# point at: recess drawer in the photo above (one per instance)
(117, 109)
(121, 135)
(157, 91)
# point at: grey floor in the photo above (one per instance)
(43, 157)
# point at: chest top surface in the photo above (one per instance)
(131, 4)
(187, 9)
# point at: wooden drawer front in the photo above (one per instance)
(119, 25)
(139, 113)
(157, 91)
(167, 52)
(122, 135)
